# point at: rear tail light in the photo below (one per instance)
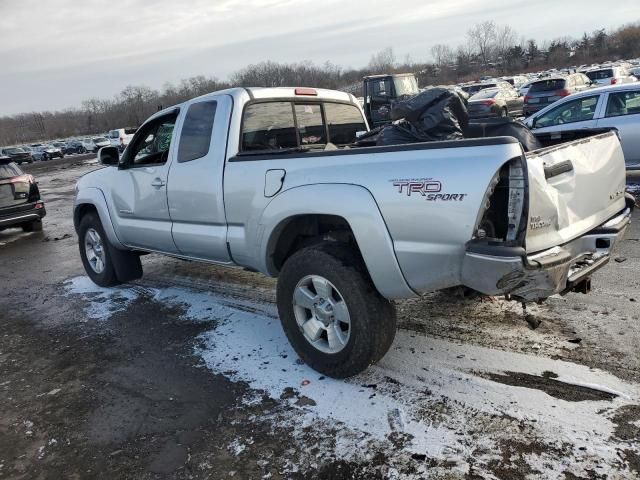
(561, 93)
(527, 98)
(614, 81)
(39, 205)
(502, 216)
(489, 102)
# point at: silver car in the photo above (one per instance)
(615, 106)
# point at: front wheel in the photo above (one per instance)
(335, 319)
(94, 252)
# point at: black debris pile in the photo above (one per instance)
(438, 113)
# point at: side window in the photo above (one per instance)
(381, 88)
(343, 122)
(268, 126)
(578, 110)
(310, 124)
(623, 103)
(197, 129)
(152, 143)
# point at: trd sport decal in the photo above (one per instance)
(428, 188)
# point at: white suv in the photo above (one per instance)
(120, 137)
(610, 76)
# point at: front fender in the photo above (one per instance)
(357, 206)
(93, 196)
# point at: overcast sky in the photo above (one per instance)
(56, 53)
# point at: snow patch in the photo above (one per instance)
(428, 396)
(103, 302)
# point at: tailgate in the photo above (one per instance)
(573, 188)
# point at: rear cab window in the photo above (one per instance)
(278, 125)
(548, 85)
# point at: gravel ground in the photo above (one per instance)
(187, 374)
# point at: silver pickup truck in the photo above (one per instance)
(270, 180)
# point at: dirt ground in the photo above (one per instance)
(186, 374)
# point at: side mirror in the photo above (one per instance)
(109, 156)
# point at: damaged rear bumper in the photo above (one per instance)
(499, 270)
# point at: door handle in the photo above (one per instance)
(157, 182)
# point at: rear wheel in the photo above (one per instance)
(335, 319)
(94, 252)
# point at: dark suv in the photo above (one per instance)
(20, 203)
(548, 90)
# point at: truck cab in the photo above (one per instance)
(380, 91)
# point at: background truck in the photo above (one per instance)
(380, 91)
(269, 179)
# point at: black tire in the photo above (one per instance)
(35, 226)
(372, 317)
(107, 277)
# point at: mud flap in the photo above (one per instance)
(126, 264)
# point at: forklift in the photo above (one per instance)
(380, 91)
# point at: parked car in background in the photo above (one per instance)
(120, 137)
(524, 88)
(549, 90)
(20, 202)
(100, 142)
(516, 81)
(610, 76)
(74, 147)
(616, 106)
(45, 152)
(495, 102)
(61, 145)
(17, 154)
(473, 88)
(88, 145)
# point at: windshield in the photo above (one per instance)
(600, 74)
(114, 134)
(100, 140)
(406, 86)
(13, 150)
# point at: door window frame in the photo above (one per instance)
(606, 103)
(127, 159)
(596, 112)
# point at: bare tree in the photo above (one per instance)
(483, 36)
(442, 55)
(505, 40)
(383, 61)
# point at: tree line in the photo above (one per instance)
(488, 49)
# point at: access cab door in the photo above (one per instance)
(195, 195)
(139, 188)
